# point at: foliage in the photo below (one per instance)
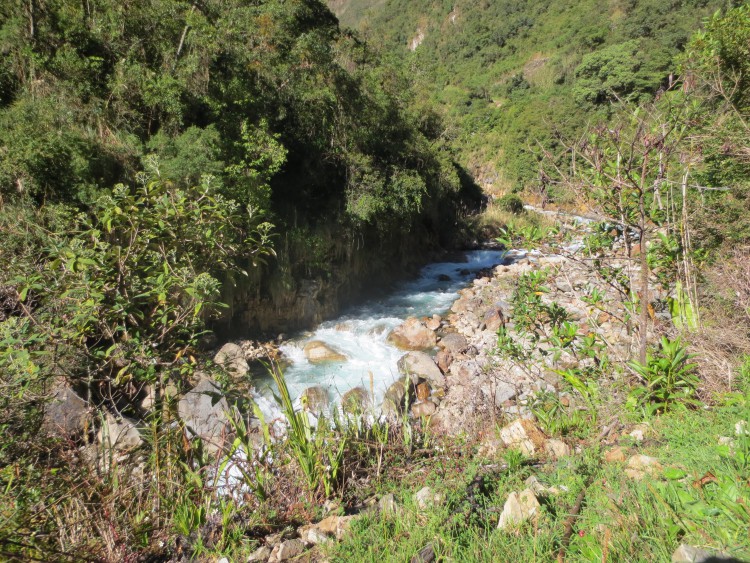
(511, 203)
(668, 377)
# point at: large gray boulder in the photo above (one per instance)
(418, 365)
(205, 413)
(232, 358)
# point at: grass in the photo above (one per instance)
(700, 497)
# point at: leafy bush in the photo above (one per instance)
(511, 203)
(669, 379)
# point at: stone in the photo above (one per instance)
(388, 506)
(500, 392)
(639, 432)
(425, 555)
(740, 429)
(287, 550)
(261, 554)
(318, 352)
(689, 554)
(615, 455)
(397, 392)
(453, 342)
(423, 391)
(444, 359)
(519, 508)
(524, 435)
(65, 414)
(426, 498)
(232, 358)
(539, 488)
(315, 399)
(434, 322)
(493, 319)
(641, 465)
(314, 536)
(418, 365)
(557, 448)
(120, 435)
(412, 335)
(336, 526)
(355, 401)
(424, 409)
(204, 411)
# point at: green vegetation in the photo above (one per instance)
(160, 159)
(512, 77)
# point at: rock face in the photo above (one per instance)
(232, 358)
(204, 412)
(519, 508)
(318, 352)
(66, 414)
(522, 434)
(413, 335)
(315, 399)
(418, 365)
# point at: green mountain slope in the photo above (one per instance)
(501, 73)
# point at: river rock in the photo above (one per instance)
(355, 401)
(315, 399)
(493, 319)
(317, 352)
(395, 399)
(204, 412)
(232, 358)
(453, 342)
(434, 322)
(519, 508)
(412, 335)
(524, 435)
(66, 414)
(424, 409)
(444, 359)
(418, 365)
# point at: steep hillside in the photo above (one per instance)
(502, 73)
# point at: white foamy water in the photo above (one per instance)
(360, 333)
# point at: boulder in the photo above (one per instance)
(453, 342)
(66, 414)
(232, 358)
(426, 408)
(394, 399)
(204, 411)
(418, 365)
(519, 508)
(412, 335)
(524, 435)
(315, 399)
(317, 352)
(355, 401)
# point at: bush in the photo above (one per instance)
(511, 203)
